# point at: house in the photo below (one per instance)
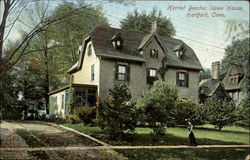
(109, 55)
(213, 86)
(235, 81)
(232, 85)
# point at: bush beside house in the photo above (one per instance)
(117, 115)
(157, 106)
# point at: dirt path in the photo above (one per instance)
(39, 141)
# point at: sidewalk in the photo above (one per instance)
(121, 147)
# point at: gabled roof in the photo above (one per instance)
(209, 87)
(241, 70)
(102, 35)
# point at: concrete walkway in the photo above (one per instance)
(121, 147)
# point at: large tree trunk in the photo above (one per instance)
(46, 84)
(7, 5)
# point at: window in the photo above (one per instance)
(182, 79)
(92, 72)
(122, 73)
(153, 53)
(151, 75)
(80, 97)
(62, 106)
(152, 72)
(72, 78)
(90, 49)
(180, 53)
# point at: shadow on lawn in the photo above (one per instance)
(186, 154)
(168, 139)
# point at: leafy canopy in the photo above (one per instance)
(157, 105)
(237, 52)
(219, 113)
(142, 22)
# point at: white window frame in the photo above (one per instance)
(122, 74)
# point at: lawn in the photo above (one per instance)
(205, 135)
(178, 136)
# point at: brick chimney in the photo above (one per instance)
(154, 26)
(215, 70)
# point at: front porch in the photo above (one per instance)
(63, 101)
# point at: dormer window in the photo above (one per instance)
(90, 49)
(153, 53)
(180, 51)
(117, 41)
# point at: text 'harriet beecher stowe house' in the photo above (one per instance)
(111, 55)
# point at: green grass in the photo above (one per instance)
(186, 154)
(175, 136)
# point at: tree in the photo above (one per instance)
(142, 22)
(219, 113)
(71, 30)
(16, 7)
(157, 106)
(238, 52)
(243, 117)
(186, 109)
(118, 114)
(236, 29)
(206, 74)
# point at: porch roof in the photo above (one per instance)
(87, 86)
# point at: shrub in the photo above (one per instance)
(72, 119)
(117, 115)
(157, 106)
(85, 114)
(186, 109)
(243, 113)
(219, 113)
(56, 118)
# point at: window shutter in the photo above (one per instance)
(148, 80)
(150, 53)
(187, 79)
(128, 73)
(116, 71)
(157, 53)
(177, 78)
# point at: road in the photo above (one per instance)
(19, 135)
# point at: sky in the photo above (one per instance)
(202, 28)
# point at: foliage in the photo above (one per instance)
(71, 30)
(85, 114)
(244, 113)
(186, 109)
(72, 119)
(205, 74)
(219, 113)
(56, 118)
(142, 22)
(117, 114)
(236, 29)
(157, 106)
(238, 52)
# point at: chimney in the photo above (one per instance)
(215, 70)
(154, 26)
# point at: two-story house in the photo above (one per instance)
(111, 55)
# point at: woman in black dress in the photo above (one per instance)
(192, 141)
